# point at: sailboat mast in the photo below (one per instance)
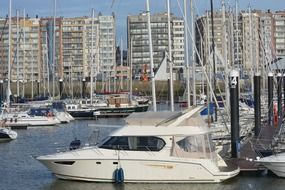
(225, 54)
(170, 58)
(214, 56)
(121, 78)
(186, 54)
(18, 85)
(193, 52)
(131, 69)
(53, 54)
(251, 51)
(92, 58)
(44, 71)
(32, 77)
(47, 66)
(151, 57)
(237, 40)
(8, 91)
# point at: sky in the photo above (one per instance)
(123, 8)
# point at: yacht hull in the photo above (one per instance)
(277, 168)
(275, 163)
(7, 134)
(137, 170)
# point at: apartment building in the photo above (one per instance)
(25, 57)
(78, 46)
(250, 39)
(138, 42)
(266, 37)
(222, 41)
(240, 41)
(107, 46)
(279, 18)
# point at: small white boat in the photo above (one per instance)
(275, 163)
(7, 134)
(23, 118)
(166, 147)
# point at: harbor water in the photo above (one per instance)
(20, 171)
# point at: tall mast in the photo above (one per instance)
(121, 78)
(193, 52)
(214, 56)
(24, 52)
(237, 40)
(47, 66)
(32, 77)
(92, 58)
(186, 54)
(225, 54)
(151, 57)
(53, 54)
(170, 58)
(131, 69)
(253, 68)
(18, 46)
(8, 91)
(44, 67)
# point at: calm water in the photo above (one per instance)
(20, 171)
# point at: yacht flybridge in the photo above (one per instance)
(153, 147)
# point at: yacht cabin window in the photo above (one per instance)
(198, 146)
(134, 143)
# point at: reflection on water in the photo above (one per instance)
(251, 181)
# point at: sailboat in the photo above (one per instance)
(5, 132)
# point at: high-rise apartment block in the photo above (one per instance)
(279, 35)
(63, 48)
(252, 39)
(138, 42)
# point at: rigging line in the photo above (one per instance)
(223, 100)
(266, 56)
(205, 73)
(2, 54)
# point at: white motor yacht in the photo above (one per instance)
(275, 163)
(7, 134)
(22, 118)
(153, 147)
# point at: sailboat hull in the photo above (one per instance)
(122, 110)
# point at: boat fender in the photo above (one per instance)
(11, 120)
(119, 175)
(15, 120)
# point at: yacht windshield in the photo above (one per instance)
(134, 143)
(198, 146)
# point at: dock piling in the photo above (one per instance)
(1, 91)
(279, 97)
(270, 98)
(60, 88)
(257, 108)
(234, 97)
(83, 87)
